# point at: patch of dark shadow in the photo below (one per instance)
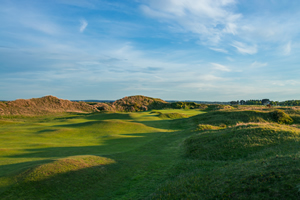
(105, 116)
(112, 145)
(91, 181)
(90, 123)
(170, 124)
(6, 170)
(47, 130)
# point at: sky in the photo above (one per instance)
(205, 50)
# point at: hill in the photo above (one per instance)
(139, 103)
(50, 104)
(143, 103)
(44, 105)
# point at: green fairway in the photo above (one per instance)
(226, 154)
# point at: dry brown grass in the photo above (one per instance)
(44, 105)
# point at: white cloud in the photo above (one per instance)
(287, 48)
(30, 19)
(231, 28)
(258, 64)
(220, 67)
(243, 48)
(230, 59)
(209, 19)
(286, 83)
(219, 50)
(83, 25)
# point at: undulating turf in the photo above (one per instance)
(232, 153)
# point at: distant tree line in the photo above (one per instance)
(266, 101)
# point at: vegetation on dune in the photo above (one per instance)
(186, 105)
(241, 142)
(51, 104)
(219, 107)
(138, 103)
(213, 152)
(281, 117)
(41, 106)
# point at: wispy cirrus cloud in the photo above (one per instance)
(210, 20)
(258, 64)
(243, 48)
(219, 50)
(220, 67)
(287, 48)
(83, 25)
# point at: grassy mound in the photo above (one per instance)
(62, 166)
(61, 179)
(172, 115)
(281, 117)
(274, 178)
(231, 118)
(242, 142)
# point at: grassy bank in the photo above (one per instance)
(234, 153)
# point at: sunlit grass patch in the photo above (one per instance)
(241, 142)
(172, 115)
(61, 166)
(205, 127)
(61, 179)
(281, 117)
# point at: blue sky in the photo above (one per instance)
(213, 50)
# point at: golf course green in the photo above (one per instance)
(234, 153)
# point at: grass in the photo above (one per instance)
(230, 153)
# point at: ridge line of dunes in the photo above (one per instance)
(43, 105)
(51, 104)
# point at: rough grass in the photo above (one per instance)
(172, 115)
(41, 106)
(62, 166)
(242, 142)
(281, 117)
(235, 153)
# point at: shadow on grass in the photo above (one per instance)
(231, 117)
(139, 157)
(104, 116)
(130, 152)
(91, 116)
(87, 183)
(111, 145)
(217, 118)
(168, 124)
